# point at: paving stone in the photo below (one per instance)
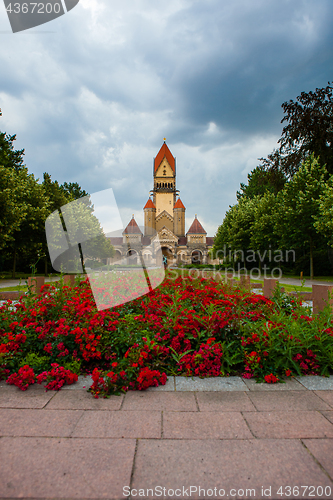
(84, 382)
(83, 400)
(291, 384)
(322, 451)
(205, 425)
(288, 401)
(224, 401)
(229, 464)
(172, 401)
(34, 397)
(315, 382)
(65, 467)
(22, 422)
(288, 424)
(327, 396)
(328, 415)
(168, 387)
(210, 384)
(119, 424)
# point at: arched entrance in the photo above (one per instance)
(167, 256)
(116, 259)
(196, 257)
(132, 257)
(181, 258)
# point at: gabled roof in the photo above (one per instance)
(164, 152)
(179, 204)
(132, 228)
(149, 204)
(196, 228)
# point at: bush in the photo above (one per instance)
(185, 327)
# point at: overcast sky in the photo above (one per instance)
(92, 94)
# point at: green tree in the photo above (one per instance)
(299, 207)
(55, 194)
(263, 236)
(31, 208)
(234, 234)
(73, 190)
(324, 219)
(261, 181)
(10, 157)
(308, 130)
(12, 210)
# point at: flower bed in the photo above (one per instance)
(185, 327)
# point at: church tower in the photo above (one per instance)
(179, 218)
(150, 218)
(163, 209)
(164, 192)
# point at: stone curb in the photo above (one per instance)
(217, 384)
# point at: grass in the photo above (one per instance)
(18, 288)
(289, 288)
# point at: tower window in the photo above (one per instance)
(164, 172)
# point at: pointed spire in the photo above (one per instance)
(179, 204)
(132, 227)
(196, 227)
(149, 204)
(164, 152)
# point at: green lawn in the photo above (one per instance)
(17, 288)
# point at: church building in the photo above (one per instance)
(164, 214)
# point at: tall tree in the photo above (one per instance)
(30, 206)
(308, 129)
(73, 190)
(235, 232)
(261, 181)
(10, 157)
(299, 206)
(324, 219)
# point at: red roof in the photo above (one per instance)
(132, 228)
(196, 228)
(164, 152)
(149, 204)
(179, 204)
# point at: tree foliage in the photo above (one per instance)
(308, 130)
(26, 203)
(10, 157)
(292, 189)
(299, 206)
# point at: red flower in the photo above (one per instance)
(271, 379)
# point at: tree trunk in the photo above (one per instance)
(14, 265)
(311, 259)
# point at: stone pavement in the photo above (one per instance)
(15, 282)
(213, 438)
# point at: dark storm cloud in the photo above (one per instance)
(92, 102)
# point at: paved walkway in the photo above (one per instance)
(22, 282)
(229, 437)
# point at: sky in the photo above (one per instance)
(91, 95)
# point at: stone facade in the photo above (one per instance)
(164, 214)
